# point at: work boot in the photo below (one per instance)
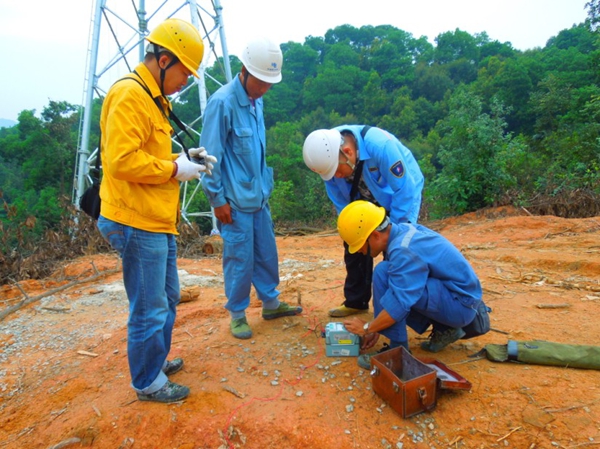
(284, 309)
(173, 366)
(342, 311)
(438, 340)
(170, 392)
(364, 360)
(240, 329)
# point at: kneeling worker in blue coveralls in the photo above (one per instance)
(423, 280)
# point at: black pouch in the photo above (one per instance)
(90, 201)
(480, 325)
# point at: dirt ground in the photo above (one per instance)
(64, 380)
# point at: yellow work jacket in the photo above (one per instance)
(137, 189)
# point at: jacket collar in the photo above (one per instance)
(148, 80)
(240, 92)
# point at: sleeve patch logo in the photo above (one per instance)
(398, 169)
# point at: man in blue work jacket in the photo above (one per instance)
(241, 184)
(367, 163)
(424, 280)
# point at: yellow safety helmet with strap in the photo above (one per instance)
(357, 221)
(182, 39)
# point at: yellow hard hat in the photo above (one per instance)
(357, 221)
(182, 39)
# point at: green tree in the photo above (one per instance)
(431, 81)
(52, 148)
(336, 89)
(376, 101)
(392, 55)
(284, 151)
(456, 45)
(341, 54)
(513, 86)
(475, 153)
(403, 120)
(593, 8)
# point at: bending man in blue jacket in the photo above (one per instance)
(367, 163)
(241, 184)
(424, 280)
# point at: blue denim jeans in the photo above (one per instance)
(152, 286)
(437, 304)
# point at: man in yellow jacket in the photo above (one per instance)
(140, 199)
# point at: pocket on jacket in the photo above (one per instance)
(247, 195)
(242, 140)
(269, 182)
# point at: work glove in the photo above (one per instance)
(186, 169)
(200, 156)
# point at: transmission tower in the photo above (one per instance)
(117, 44)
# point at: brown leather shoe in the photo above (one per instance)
(343, 311)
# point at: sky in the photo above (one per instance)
(45, 42)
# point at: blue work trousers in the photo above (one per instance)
(250, 258)
(437, 304)
(152, 286)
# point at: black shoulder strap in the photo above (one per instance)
(96, 171)
(357, 176)
(359, 167)
(171, 115)
(365, 130)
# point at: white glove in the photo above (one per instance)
(199, 154)
(187, 170)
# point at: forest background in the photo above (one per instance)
(489, 125)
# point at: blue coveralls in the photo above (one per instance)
(234, 132)
(425, 279)
(392, 175)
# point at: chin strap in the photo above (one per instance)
(163, 72)
(384, 224)
(245, 80)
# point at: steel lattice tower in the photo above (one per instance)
(117, 44)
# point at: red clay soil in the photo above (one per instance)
(64, 380)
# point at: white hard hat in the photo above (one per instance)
(263, 59)
(321, 152)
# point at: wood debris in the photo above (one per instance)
(234, 392)
(553, 306)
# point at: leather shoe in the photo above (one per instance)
(343, 311)
(170, 392)
(284, 309)
(173, 366)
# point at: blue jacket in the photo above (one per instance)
(234, 132)
(415, 254)
(390, 172)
